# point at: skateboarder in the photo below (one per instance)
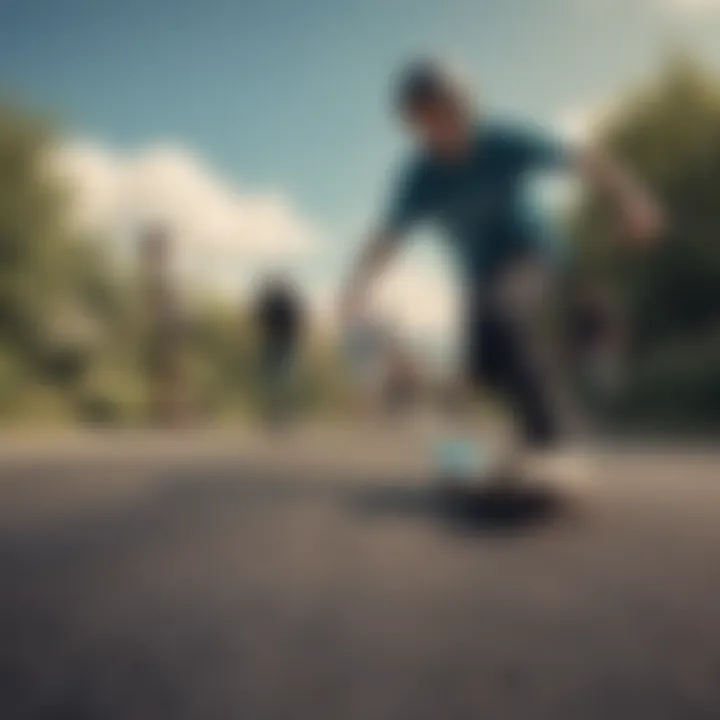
(469, 177)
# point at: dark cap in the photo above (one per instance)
(427, 81)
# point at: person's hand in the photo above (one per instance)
(642, 222)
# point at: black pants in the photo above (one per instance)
(502, 355)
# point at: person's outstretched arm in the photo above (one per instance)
(374, 257)
(640, 215)
(407, 208)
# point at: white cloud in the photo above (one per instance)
(418, 299)
(116, 193)
(574, 124)
(692, 7)
(225, 235)
(579, 123)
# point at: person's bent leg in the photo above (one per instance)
(528, 379)
(511, 364)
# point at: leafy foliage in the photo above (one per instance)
(75, 326)
(669, 135)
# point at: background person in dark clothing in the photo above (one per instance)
(279, 315)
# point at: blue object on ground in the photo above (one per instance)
(460, 458)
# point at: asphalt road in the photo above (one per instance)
(151, 578)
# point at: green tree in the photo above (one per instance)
(74, 327)
(669, 135)
(60, 304)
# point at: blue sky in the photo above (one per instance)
(291, 95)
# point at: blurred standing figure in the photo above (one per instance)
(280, 318)
(165, 336)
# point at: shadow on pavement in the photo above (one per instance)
(503, 508)
(497, 509)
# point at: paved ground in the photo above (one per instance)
(211, 577)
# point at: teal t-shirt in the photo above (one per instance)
(482, 205)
